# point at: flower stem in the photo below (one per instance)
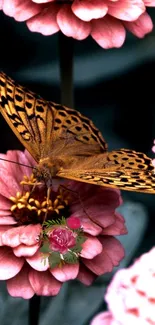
(66, 69)
(34, 309)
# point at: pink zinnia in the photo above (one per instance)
(105, 20)
(131, 295)
(36, 258)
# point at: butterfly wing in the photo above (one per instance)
(123, 169)
(46, 128)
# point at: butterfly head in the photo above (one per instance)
(46, 170)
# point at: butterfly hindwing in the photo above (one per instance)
(124, 169)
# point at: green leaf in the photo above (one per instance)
(80, 239)
(54, 259)
(45, 248)
(70, 258)
(54, 222)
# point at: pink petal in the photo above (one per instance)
(100, 206)
(126, 9)
(113, 248)
(8, 185)
(142, 26)
(100, 264)
(104, 318)
(90, 228)
(23, 250)
(10, 265)
(5, 204)
(42, 1)
(88, 10)
(45, 22)
(2, 230)
(91, 247)
(149, 3)
(11, 237)
(29, 234)
(72, 26)
(21, 10)
(65, 272)
(17, 170)
(19, 286)
(117, 228)
(111, 255)
(44, 284)
(85, 276)
(38, 262)
(7, 221)
(108, 32)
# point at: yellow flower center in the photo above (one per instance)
(34, 205)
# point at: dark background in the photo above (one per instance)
(115, 88)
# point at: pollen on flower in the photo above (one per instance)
(32, 206)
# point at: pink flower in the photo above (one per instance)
(61, 239)
(38, 255)
(131, 295)
(105, 20)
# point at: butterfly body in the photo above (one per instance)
(66, 144)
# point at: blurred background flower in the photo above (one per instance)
(105, 20)
(131, 295)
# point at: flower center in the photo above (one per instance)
(34, 206)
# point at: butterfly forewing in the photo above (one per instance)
(46, 128)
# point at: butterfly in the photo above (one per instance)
(66, 144)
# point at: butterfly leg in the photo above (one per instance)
(79, 198)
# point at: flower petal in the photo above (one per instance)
(10, 265)
(23, 250)
(72, 26)
(90, 228)
(117, 228)
(88, 10)
(85, 275)
(37, 262)
(108, 32)
(5, 180)
(126, 9)
(110, 256)
(7, 220)
(66, 272)
(11, 237)
(100, 206)
(29, 234)
(142, 26)
(91, 247)
(2, 230)
(5, 204)
(21, 10)
(19, 286)
(104, 318)
(45, 22)
(44, 284)
(113, 248)
(149, 3)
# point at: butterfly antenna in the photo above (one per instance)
(17, 163)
